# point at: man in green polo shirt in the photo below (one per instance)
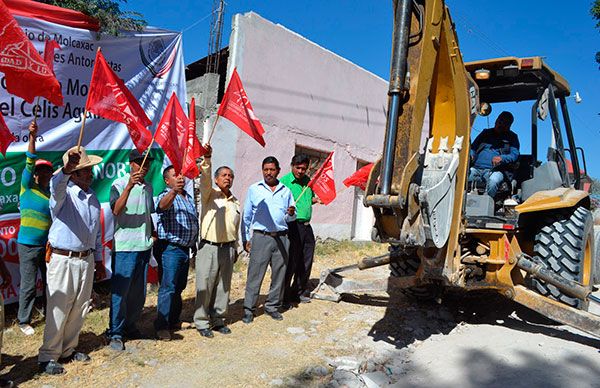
(302, 238)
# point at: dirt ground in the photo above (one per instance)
(365, 340)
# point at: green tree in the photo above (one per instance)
(596, 15)
(108, 13)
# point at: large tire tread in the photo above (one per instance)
(408, 266)
(560, 244)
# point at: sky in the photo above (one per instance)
(360, 30)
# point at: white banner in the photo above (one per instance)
(151, 64)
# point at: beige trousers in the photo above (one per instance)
(214, 267)
(68, 295)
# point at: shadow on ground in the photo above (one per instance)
(21, 369)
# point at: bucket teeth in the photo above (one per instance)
(443, 147)
(458, 141)
(430, 144)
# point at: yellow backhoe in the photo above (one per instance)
(533, 242)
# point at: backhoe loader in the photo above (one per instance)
(533, 242)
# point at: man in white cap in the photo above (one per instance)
(76, 243)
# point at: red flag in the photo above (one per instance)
(26, 73)
(49, 48)
(360, 177)
(171, 132)
(110, 98)
(193, 148)
(322, 182)
(6, 136)
(236, 108)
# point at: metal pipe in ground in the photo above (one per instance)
(567, 286)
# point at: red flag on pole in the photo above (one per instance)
(6, 136)
(322, 182)
(171, 132)
(236, 108)
(193, 148)
(110, 98)
(49, 48)
(26, 73)
(360, 177)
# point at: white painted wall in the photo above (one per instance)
(303, 94)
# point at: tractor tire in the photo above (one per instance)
(565, 244)
(408, 266)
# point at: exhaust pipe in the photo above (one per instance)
(399, 66)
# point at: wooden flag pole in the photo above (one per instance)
(212, 131)
(81, 130)
(37, 103)
(147, 152)
(301, 194)
(85, 110)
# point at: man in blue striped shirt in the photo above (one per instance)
(269, 207)
(177, 233)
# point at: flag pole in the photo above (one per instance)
(147, 152)
(302, 193)
(37, 103)
(85, 110)
(212, 131)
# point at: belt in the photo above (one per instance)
(220, 245)
(272, 234)
(305, 223)
(65, 252)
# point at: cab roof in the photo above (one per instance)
(515, 79)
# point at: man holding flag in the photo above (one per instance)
(220, 222)
(302, 238)
(34, 200)
(131, 200)
(75, 239)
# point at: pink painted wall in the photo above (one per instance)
(306, 95)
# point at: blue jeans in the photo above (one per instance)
(128, 288)
(174, 261)
(493, 179)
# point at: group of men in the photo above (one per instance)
(61, 236)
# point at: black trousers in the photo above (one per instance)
(302, 252)
(31, 258)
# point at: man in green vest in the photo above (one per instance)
(302, 238)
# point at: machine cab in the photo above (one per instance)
(526, 81)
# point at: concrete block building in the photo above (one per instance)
(309, 100)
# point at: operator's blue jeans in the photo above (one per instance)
(175, 263)
(493, 179)
(128, 288)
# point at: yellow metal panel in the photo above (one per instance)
(559, 198)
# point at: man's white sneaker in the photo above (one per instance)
(27, 329)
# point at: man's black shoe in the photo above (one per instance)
(206, 333)
(51, 368)
(248, 318)
(76, 356)
(287, 306)
(222, 329)
(276, 315)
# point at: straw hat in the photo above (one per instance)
(85, 160)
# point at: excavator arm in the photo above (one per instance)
(432, 105)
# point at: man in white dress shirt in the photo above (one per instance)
(76, 244)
